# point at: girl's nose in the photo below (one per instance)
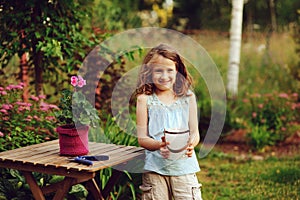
(164, 75)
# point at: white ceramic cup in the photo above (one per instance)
(178, 139)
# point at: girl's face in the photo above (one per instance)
(163, 73)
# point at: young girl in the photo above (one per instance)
(164, 101)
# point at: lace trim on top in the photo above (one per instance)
(154, 100)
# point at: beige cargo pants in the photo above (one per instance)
(159, 187)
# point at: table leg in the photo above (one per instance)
(92, 186)
(64, 189)
(35, 189)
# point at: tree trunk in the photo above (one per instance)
(37, 54)
(38, 70)
(273, 15)
(235, 47)
(24, 71)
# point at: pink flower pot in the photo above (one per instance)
(73, 141)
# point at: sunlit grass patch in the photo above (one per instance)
(224, 177)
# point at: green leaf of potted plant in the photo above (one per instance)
(75, 116)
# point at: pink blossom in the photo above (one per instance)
(245, 100)
(6, 118)
(50, 118)
(80, 77)
(1, 88)
(81, 83)
(283, 95)
(3, 92)
(18, 87)
(3, 111)
(41, 96)
(1, 134)
(28, 119)
(74, 81)
(7, 106)
(256, 95)
(45, 106)
(295, 96)
(283, 128)
(78, 81)
(36, 118)
(51, 106)
(11, 87)
(23, 104)
(294, 106)
(34, 98)
(254, 114)
(260, 105)
(21, 109)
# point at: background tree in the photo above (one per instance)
(235, 47)
(48, 31)
(114, 15)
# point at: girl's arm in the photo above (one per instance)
(193, 125)
(142, 125)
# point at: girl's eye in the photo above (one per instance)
(158, 70)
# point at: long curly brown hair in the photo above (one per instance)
(183, 81)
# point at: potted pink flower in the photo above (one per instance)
(75, 116)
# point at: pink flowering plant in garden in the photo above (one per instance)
(74, 108)
(24, 123)
(272, 117)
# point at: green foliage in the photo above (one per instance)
(110, 15)
(24, 123)
(13, 186)
(259, 137)
(75, 109)
(270, 117)
(52, 27)
(110, 132)
(49, 32)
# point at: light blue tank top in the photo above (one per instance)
(161, 116)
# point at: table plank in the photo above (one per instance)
(47, 155)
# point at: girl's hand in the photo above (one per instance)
(164, 151)
(189, 150)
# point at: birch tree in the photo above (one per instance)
(235, 47)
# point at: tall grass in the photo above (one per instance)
(265, 62)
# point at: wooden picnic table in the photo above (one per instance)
(45, 158)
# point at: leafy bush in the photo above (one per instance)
(261, 137)
(269, 117)
(24, 123)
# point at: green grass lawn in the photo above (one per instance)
(225, 177)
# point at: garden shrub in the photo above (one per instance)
(24, 123)
(271, 117)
